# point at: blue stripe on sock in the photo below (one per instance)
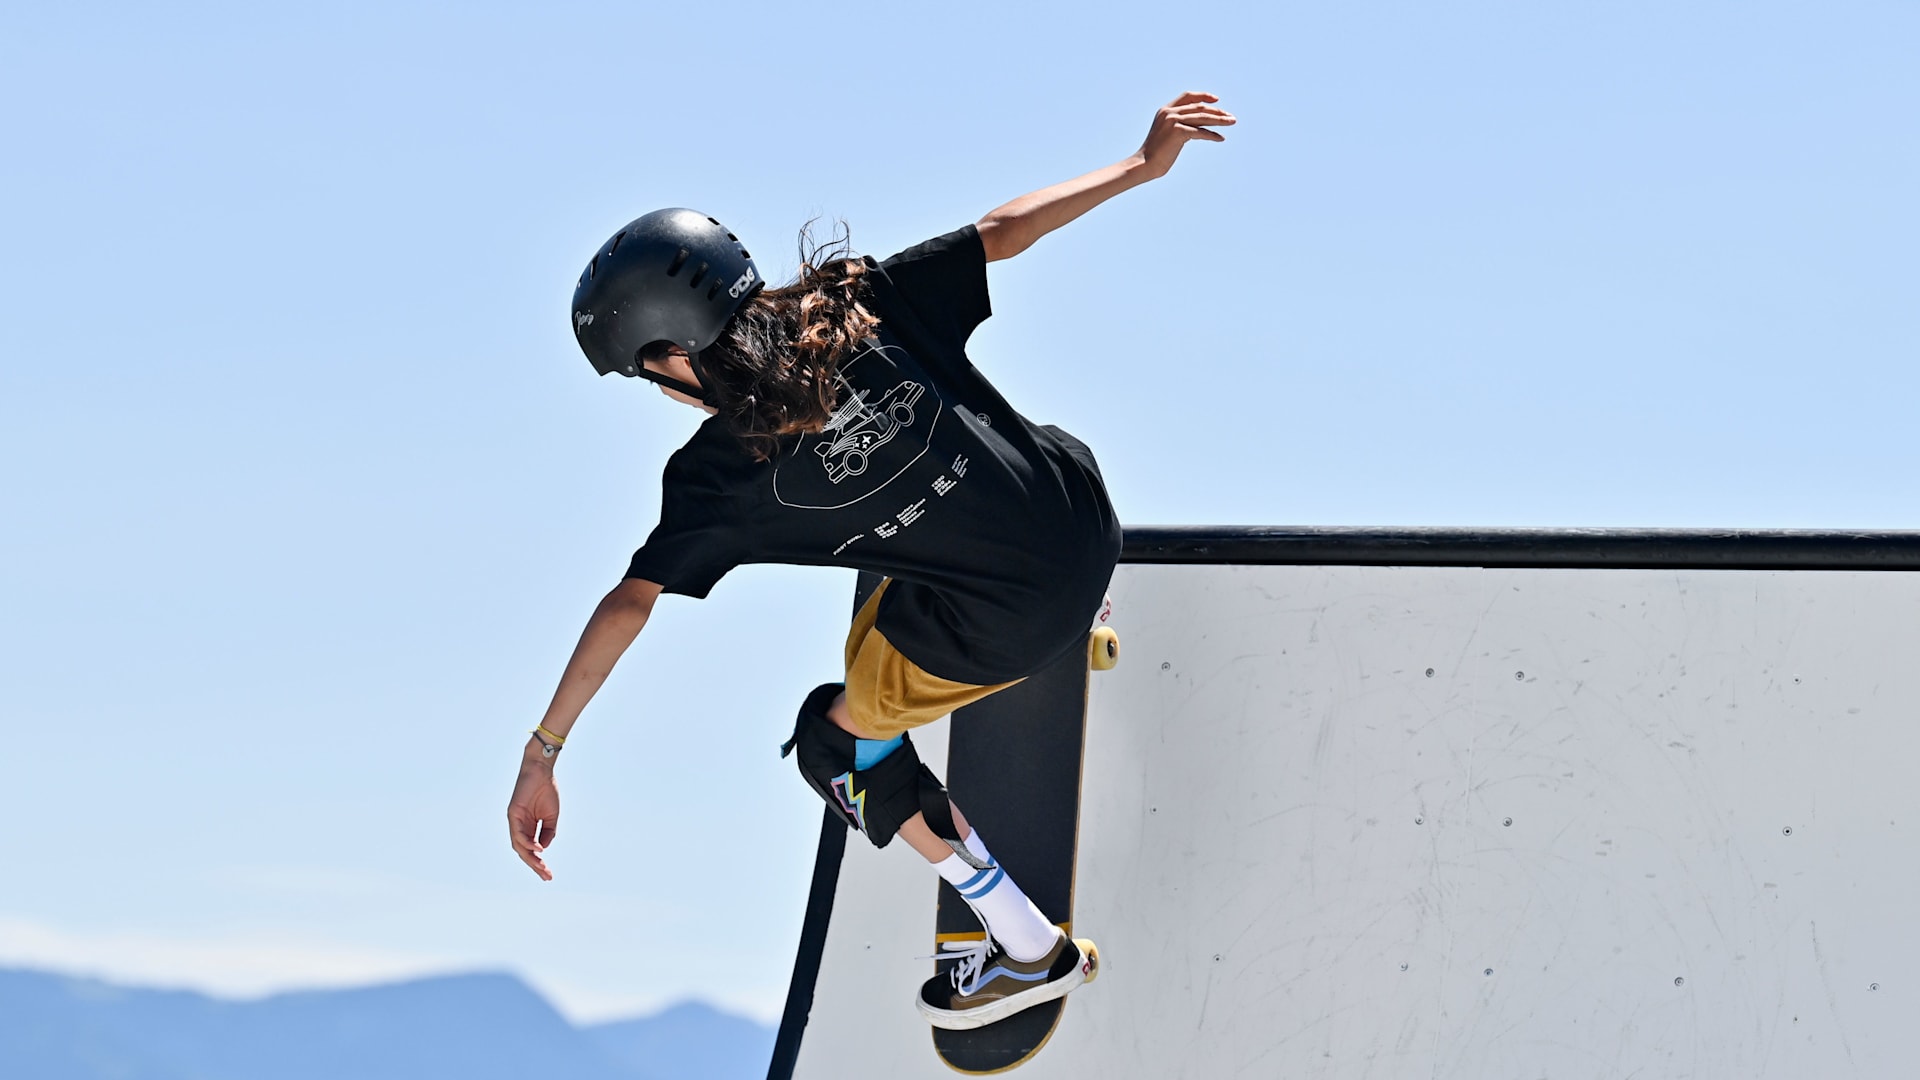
(988, 887)
(976, 879)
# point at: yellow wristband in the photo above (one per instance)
(542, 731)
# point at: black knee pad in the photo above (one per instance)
(875, 801)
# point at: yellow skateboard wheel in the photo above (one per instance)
(1092, 952)
(1103, 649)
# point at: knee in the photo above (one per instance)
(874, 786)
(842, 716)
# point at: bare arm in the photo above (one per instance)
(533, 813)
(1011, 229)
(618, 619)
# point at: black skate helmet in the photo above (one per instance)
(673, 275)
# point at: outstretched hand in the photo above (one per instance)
(1184, 119)
(533, 815)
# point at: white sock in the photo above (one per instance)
(978, 847)
(1010, 917)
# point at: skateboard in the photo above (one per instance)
(1013, 767)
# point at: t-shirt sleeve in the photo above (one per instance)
(944, 281)
(695, 543)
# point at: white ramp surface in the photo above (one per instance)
(1428, 822)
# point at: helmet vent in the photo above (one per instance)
(592, 266)
(713, 290)
(745, 254)
(679, 261)
(699, 276)
(617, 237)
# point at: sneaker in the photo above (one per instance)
(987, 985)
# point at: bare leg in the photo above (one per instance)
(914, 831)
(921, 839)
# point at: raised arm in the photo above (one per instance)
(533, 813)
(1011, 229)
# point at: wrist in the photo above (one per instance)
(1137, 169)
(540, 751)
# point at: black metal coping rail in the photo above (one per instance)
(1596, 549)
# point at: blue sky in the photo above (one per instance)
(307, 490)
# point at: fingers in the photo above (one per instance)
(520, 830)
(530, 854)
(538, 866)
(1202, 133)
(1201, 114)
(1196, 102)
(1189, 118)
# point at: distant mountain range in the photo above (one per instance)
(463, 1027)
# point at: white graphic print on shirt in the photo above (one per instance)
(881, 428)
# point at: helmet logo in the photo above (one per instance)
(740, 286)
(582, 319)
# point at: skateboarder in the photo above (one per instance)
(848, 428)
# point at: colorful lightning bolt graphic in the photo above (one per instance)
(853, 802)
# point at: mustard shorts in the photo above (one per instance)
(887, 693)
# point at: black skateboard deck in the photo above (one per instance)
(1013, 768)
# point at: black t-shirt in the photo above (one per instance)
(998, 532)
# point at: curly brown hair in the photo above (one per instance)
(775, 367)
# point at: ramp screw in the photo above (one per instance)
(1419, 821)
(1403, 967)
(1520, 676)
(1874, 986)
(1429, 673)
(1489, 971)
(1788, 831)
(1508, 823)
(1681, 981)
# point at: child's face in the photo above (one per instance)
(674, 365)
